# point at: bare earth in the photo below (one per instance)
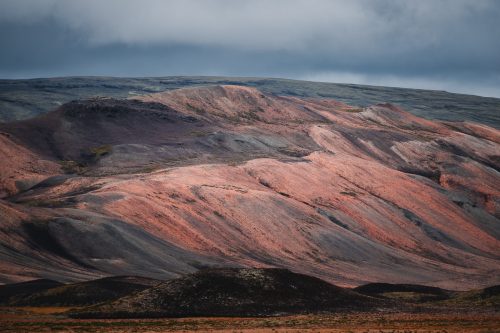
(49, 320)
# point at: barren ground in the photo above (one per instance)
(51, 320)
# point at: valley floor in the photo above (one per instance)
(51, 320)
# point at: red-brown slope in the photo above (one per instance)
(20, 168)
(235, 105)
(346, 194)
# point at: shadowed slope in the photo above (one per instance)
(75, 244)
(84, 132)
(10, 292)
(406, 292)
(84, 293)
(486, 298)
(233, 292)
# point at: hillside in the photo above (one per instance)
(431, 296)
(13, 291)
(233, 292)
(76, 294)
(167, 183)
(22, 99)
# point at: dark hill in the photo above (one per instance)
(412, 293)
(380, 288)
(75, 130)
(84, 293)
(13, 291)
(234, 292)
(407, 292)
(480, 298)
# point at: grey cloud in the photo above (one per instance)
(271, 25)
(453, 44)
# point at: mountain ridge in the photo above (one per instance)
(21, 99)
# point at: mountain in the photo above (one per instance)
(167, 183)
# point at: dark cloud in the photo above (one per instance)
(439, 44)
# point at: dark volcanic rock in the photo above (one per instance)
(234, 292)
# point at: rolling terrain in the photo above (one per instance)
(243, 299)
(22, 99)
(235, 292)
(164, 184)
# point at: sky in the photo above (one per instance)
(451, 45)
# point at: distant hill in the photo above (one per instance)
(486, 297)
(21, 99)
(81, 293)
(10, 292)
(406, 292)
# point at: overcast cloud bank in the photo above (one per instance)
(436, 44)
